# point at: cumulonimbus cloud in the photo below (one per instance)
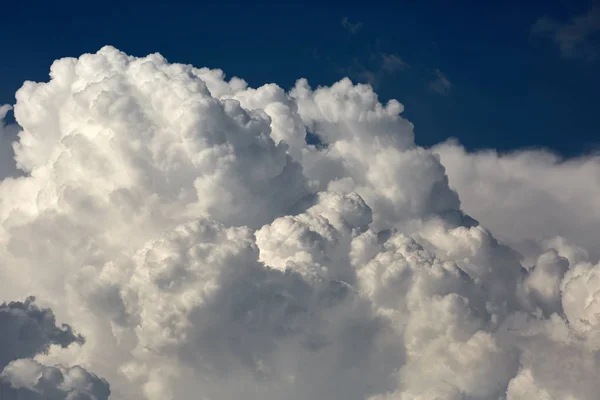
(181, 223)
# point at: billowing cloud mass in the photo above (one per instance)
(182, 225)
(531, 199)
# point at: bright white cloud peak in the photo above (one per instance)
(180, 223)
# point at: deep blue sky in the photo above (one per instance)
(510, 88)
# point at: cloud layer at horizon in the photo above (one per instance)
(181, 224)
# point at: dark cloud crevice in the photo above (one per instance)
(26, 331)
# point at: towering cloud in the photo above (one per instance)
(204, 250)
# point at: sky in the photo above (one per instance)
(476, 71)
(289, 202)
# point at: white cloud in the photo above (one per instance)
(528, 198)
(32, 380)
(204, 250)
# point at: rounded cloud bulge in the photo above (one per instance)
(196, 247)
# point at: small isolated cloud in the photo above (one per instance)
(353, 28)
(385, 66)
(392, 63)
(440, 84)
(574, 38)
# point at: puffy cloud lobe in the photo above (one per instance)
(208, 308)
(143, 129)
(446, 325)
(581, 298)
(543, 283)
(205, 250)
(33, 380)
(554, 363)
(316, 243)
(371, 151)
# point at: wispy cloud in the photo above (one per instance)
(353, 28)
(392, 63)
(440, 84)
(573, 37)
(385, 66)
